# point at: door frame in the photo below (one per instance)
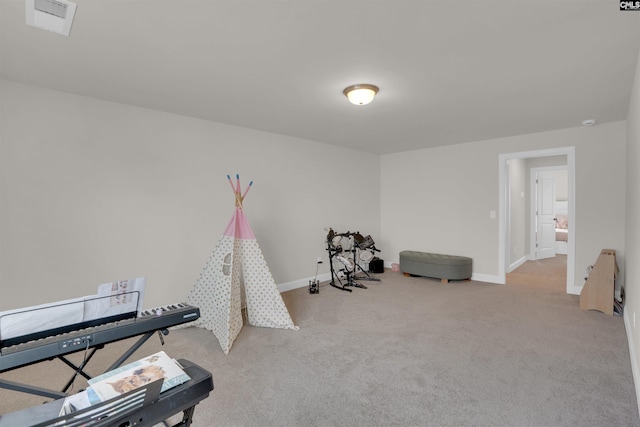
(533, 204)
(504, 209)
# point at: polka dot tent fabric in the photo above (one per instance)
(235, 261)
(265, 306)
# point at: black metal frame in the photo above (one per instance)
(143, 406)
(351, 276)
(79, 369)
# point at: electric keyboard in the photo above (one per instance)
(182, 398)
(157, 319)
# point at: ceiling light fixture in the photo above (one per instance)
(589, 122)
(361, 94)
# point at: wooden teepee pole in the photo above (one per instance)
(236, 190)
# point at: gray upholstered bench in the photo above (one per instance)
(443, 267)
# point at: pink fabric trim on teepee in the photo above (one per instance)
(239, 226)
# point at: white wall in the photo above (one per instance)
(93, 191)
(562, 185)
(632, 246)
(439, 199)
(519, 214)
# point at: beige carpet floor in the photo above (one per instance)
(550, 273)
(408, 351)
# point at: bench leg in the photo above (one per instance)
(444, 280)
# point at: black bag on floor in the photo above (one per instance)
(376, 265)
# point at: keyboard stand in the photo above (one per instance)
(142, 406)
(79, 370)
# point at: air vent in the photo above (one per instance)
(51, 15)
(54, 8)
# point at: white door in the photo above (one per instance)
(545, 222)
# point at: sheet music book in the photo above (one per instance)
(118, 297)
(127, 378)
(136, 374)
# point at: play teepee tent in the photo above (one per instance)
(237, 260)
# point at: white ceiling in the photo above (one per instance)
(448, 71)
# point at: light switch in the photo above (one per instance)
(492, 214)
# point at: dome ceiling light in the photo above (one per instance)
(361, 94)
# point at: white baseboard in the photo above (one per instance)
(301, 283)
(477, 276)
(635, 369)
(486, 278)
(518, 263)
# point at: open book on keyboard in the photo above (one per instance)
(128, 377)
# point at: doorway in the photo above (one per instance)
(512, 255)
(548, 228)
